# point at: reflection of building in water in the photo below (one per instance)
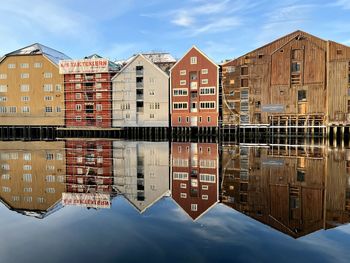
(195, 176)
(89, 171)
(286, 188)
(32, 176)
(141, 171)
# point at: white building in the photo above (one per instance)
(141, 172)
(141, 92)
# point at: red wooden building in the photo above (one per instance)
(194, 91)
(194, 184)
(88, 91)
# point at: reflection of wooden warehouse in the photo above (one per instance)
(283, 188)
(298, 79)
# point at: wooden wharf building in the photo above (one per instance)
(297, 81)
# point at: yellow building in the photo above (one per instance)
(32, 176)
(31, 88)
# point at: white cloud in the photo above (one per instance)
(183, 19)
(345, 4)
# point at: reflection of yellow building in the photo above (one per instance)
(32, 176)
(31, 88)
(296, 190)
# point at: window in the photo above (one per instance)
(209, 119)
(98, 85)
(204, 71)
(99, 118)
(77, 76)
(15, 198)
(207, 91)
(3, 98)
(27, 156)
(98, 75)
(244, 82)
(180, 176)
(183, 72)
(244, 71)
(5, 166)
(244, 94)
(3, 76)
(151, 116)
(50, 178)
(205, 197)
(60, 178)
(179, 119)
(183, 185)
(339, 52)
(180, 105)
(3, 109)
(38, 65)
(58, 109)
(301, 95)
(48, 98)
(78, 118)
(151, 92)
(182, 82)
(11, 66)
(98, 107)
(27, 199)
(40, 200)
(25, 98)
(6, 189)
(183, 195)
(58, 87)
(257, 104)
(47, 87)
(207, 178)
(78, 107)
(194, 207)
(48, 109)
(59, 156)
(187, 119)
(204, 81)
(205, 187)
(3, 88)
(25, 109)
(24, 88)
(300, 176)
(295, 67)
(12, 109)
(5, 177)
(78, 96)
(47, 75)
(98, 95)
(27, 167)
(50, 156)
(27, 189)
(207, 105)
(24, 75)
(24, 65)
(78, 86)
(180, 92)
(50, 167)
(193, 60)
(50, 190)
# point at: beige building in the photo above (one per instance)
(141, 172)
(31, 88)
(141, 93)
(32, 176)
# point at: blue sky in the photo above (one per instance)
(117, 29)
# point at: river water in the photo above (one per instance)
(126, 201)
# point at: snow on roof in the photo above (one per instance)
(159, 57)
(112, 65)
(39, 49)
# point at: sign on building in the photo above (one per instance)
(95, 200)
(273, 108)
(82, 66)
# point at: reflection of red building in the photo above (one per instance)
(195, 176)
(89, 166)
(88, 91)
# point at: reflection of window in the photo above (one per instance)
(300, 176)
(193, 207)
(301, 95)
(295, 67)
(294, 202)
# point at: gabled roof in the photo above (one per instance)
(132, 59)
(38, 49)
(196, 48)
(293, 34)
(159, 57)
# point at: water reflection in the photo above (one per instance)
(296, 190)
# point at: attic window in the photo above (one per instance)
(339, 52)
(260, 55)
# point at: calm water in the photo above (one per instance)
(125, 201)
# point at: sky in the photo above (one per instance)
(223, 29)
